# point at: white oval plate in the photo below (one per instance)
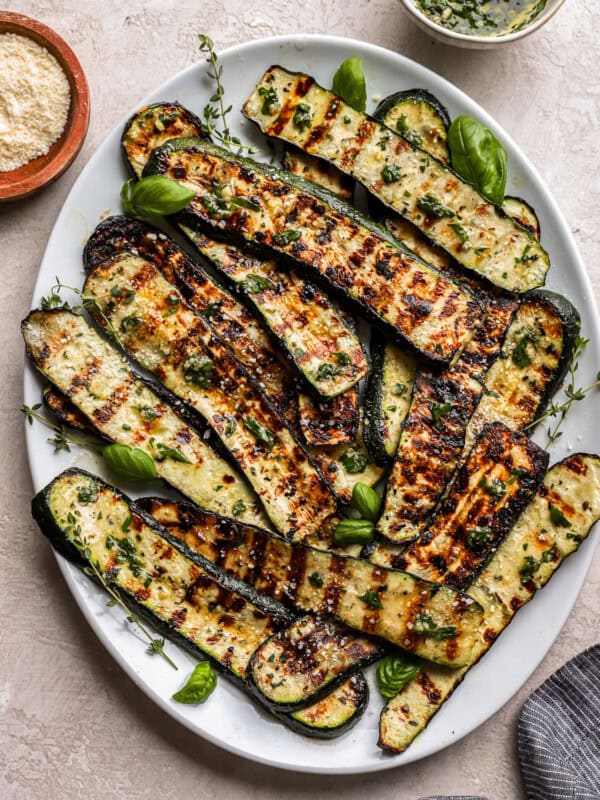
(229, 719)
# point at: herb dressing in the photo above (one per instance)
(482, 17)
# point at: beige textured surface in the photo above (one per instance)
(71, 724)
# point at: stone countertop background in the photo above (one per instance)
(71, 723)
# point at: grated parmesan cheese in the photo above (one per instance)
(34, 100)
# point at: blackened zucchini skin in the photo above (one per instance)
(508, 582)
(404, 177)
(496, 483)
(152, 126)
(342, 588)
(175, 344)
(203, 589)
(233, 323)
(124, 409)
(434, 430)
(387, 397)
(420, 117)
(313, 229)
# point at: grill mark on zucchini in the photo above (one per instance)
(168, 344)
(434, 430)
(362, 147)
(152, 126)
(532, 363)
(182, 595)
(498, 480)
(310, 653)
(64, 410)
(340, 651)
(432, 312)
(330, 423)
(301, 317)
(573, 487)
(234, 324)
(265, 562)
(60, 344)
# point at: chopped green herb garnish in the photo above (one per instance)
(558, 518)
(303, 116)
(391, 173)
(371, 599)
(286, 237)
(431, 206)
(259, 432)
(424, 625)
(353, 461)
(439, 411)
(315, 580)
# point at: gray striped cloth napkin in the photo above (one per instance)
(559, 734)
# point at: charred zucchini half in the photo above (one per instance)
(186, 598)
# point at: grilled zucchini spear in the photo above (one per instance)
(122, 408)
(185, 597)
(232, 322)
(405, 178)
(299, 315)
(167, 338)
(313, 229)
(497, 481)
(431, 620)
(552, 527)
(309, 657)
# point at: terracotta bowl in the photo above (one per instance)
(41, 171)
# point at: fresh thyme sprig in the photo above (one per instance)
(212, 112)
(94, 570)
(88, 303)
(61, 439)
(573, 394)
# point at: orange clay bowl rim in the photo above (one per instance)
(39, 172)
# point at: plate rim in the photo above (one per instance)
(593, 322)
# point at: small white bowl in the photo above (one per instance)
(471, 41)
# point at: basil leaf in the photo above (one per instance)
(199, 685)
(349, 83)
(164, 451)
(353, 461)
(353, 531)
(155, 195)
(366, 501)
(394, 672)
(260, 433)
(478, 157)
(129, 462)
(126, 203)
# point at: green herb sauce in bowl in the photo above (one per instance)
(480, 24)
(482, 17)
